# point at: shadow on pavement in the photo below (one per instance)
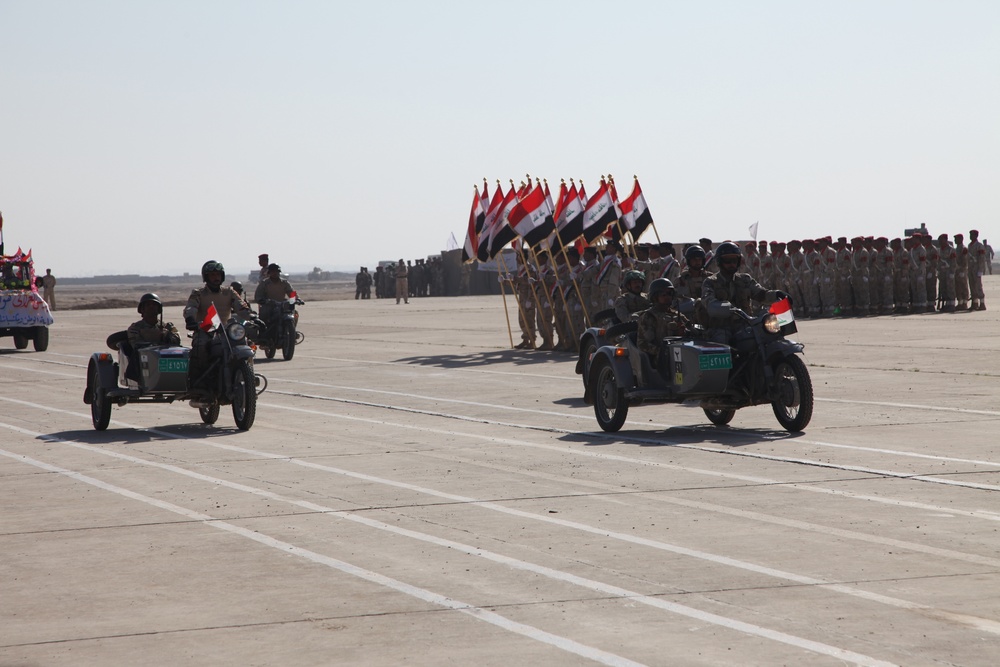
(696, 434)
(132, 436)
(519, 357)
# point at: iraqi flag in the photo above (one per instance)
(501, 233)
(599, 213)
(782, 309)
(476, 217)
(492, 212)
(569, 222)
(531, 217)
(635, 213)
(212, 320)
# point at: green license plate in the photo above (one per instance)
(711, 362)
(173, 365)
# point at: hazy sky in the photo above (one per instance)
(148, 137)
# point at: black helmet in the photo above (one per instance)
(149, 296)
(694, 251)
(212, 265)
(273, 267)
(659, 286)
(728, 249)
(237, 285)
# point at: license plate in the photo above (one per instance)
(710, 362)
(173, 365)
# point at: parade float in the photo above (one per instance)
(24, 315)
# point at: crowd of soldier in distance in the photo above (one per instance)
(560, 293)
(423, 278)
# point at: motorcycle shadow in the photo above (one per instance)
(140, 435)
(683, 435)
(517, 357)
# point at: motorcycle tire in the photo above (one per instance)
(41, 339)
(288, 343)
(794, 405)
(244, 397)
(209, 415)
(589, 348)
(269, 352)
(610, 404)
(20, 341)
(100, 406)
(720, 417)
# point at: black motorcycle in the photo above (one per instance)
(276, 327)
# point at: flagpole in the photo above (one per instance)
(503, 294)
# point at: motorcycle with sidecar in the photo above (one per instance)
(162, 374)
(758, 366)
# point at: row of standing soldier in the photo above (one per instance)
(559, 294)
(424, 278)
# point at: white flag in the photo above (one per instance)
(753, 230)
(452, 243)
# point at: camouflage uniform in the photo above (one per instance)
(654, 325)
(946, 274)
(901, 275)
(961, 273)
(740, 290)
(885, 261)
(845, 300)
(860, 277)
(628, 304)
(977, 267)
(918, 275)
(933, 260)
(143, 333)
(828, 279)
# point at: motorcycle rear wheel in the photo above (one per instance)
(209, 415)
(269, 352)
(721, 416)
(100, 406)
(794, 406)
(244, 397)
(610, 404)
(288, 342)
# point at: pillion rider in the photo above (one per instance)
(729, 285)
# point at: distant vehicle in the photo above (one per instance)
(23, 313)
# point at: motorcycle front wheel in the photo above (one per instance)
(209, 415)
(269, 351)
(793, 387)
(288, 342)
(244, 397)
(610, 404)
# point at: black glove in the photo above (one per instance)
(779, 295)
(190, 323)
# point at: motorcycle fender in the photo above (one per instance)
(586, 338)
(108, 375)
(783, 348)
(242, 352)
(624, 377)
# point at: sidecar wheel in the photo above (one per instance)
(794, 405)
(100, 406)
(209, 415)
(244, 397)
(610, 404)
(288, 343)
(269, 352)
(720, 417)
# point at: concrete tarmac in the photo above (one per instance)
(415, 492)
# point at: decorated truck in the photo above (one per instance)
(23, 313)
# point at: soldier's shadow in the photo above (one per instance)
(517, 357)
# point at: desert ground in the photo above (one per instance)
(413, 491)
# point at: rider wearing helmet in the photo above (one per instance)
(660, 320)
(151, 330)
(690, 280)
(729, 285)
(631, 300)
(225, 299)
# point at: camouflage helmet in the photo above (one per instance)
(147, 298)
(659, 286)
(634, 275)
(212, 265)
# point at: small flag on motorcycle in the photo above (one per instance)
(212, 320)
(292, 296)
(786, 318)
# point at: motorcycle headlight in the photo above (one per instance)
(236, 331)
(771, 324)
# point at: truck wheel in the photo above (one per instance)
(610, 404)
(100, 406)
(41, 339)
(209, 415)
(20, 341)
(244, 397)
(288, 342)
(720, 417)
(794, 405)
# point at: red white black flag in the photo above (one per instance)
(531, 217)
(476, 217)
